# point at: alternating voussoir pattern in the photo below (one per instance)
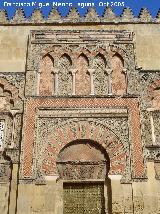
(73, 16)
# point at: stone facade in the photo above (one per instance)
(80, 113)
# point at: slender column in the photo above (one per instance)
(38, 82)
(109, 72)
(74, 71)
(152, 125)
(13, 112)
(152, 128)
(91, 72)
(55, 72)
(126, 79)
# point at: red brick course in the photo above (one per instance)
(130, 103)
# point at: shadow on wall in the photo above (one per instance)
(109, 195)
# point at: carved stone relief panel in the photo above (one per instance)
(156, 121)
(13, 82)
(150, 116)
(64, 75)
(90, 61)
(100, 75)
(133, 144)
(83, 83)
(54, 133)
(156, 98)
(11, 108)
(148, 85)
(148, 88)
(8, 141)
(12, 135)
(119, 85)
(46, 84)
(6, 99)
(126, 57)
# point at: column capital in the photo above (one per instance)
(73, 71)
(55, 71)
(91, 71)
(14, 111)
(108, 71)
(125, 70)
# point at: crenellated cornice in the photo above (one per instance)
(73, 16)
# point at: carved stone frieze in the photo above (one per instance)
(70, 49)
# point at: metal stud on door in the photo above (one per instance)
(73, 199)
(83, 198)
(93, 199)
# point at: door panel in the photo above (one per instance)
(73, 199)
(83, 198)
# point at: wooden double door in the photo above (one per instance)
(83, 198)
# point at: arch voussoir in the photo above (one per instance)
(85, 131)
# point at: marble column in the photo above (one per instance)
(73, 72)
(126, 79)
(152, 128)
(38, 82)
(55, 72)
(91, 72)
(13, 112)
(151, 110)
(109, 73)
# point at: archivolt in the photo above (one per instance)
(72, 131)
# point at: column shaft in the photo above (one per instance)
(152, 128)
(91, 72)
